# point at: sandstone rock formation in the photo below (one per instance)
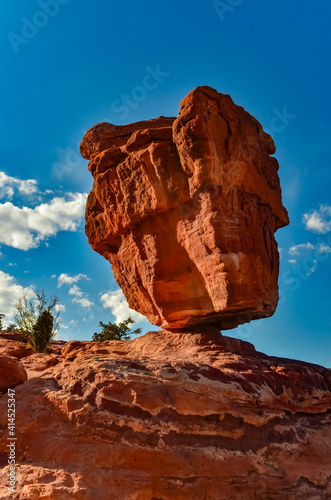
(12, 373)
(170, 416)
(185, 211)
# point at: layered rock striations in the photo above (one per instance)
(169, 416)
(185, 210)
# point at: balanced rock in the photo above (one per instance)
(185, 210)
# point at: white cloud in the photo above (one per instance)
(24, 228)
(304, 247)
(65, 279)
(60, 307)
(84, 302)
(10, 292)
(323, 248)
(318, 221)
(119, 307)
(296, 249)
(292, 261)
(80, 297)
(8, 185)
(75, 290)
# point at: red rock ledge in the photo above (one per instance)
(169, 416)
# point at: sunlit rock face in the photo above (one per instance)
(185, 210)
(12, 373)
(171, 416)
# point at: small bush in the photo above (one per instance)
(42, 332)
(28, 313)
(11, 328)
(111, 331)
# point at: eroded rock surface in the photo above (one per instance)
(171, 416)
(12, 373)
(185, 210)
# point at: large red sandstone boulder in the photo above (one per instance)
(12, 373)
(185, 210)
(171, 416)
(12, 344)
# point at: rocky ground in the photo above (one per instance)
(166, 416)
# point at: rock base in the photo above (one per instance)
(171, 416)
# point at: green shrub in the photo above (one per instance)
(11, 327)
(28, 313)
(111, 331)
(42, 332)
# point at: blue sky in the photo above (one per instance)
(69, 64)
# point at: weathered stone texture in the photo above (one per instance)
(171, 416)
(185, 210)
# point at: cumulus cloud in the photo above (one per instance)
(84, 302)
(8, 186)
(321, 248)
(75, 290)
(318, 221)
(60, 307)
(10, 292)
(307, 256)
(25, 228)
(116, 302)
(65, 279)
(80, 297)
(296, 249)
